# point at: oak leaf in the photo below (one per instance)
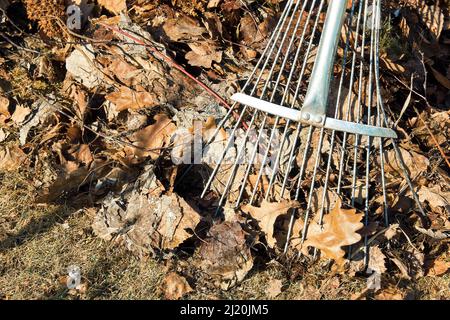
(267, 214)
(203, 54)
(127, 98)
(151, 139)
(338, 230)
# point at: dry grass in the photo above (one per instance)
(38, 243)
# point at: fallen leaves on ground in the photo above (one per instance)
(126, 98)
(11, 158)
(225, 254)
(390, 293)
(175, 286)
(274, 288)
(339, 229)
(267, 214)
(149, 141)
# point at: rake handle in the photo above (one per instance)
(316, 100)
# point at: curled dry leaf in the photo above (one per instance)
(274, 288)
(225, 254)
(11, 158)
(390, 293)
(339, 229)
(175, 286)
(439, 266)
(20, 114)
(126, 98)
(377, 259)
(151, 139)
(182, 27)
(114, 6)
(203, 54)
(267, 214)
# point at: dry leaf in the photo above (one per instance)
(178, 218)
(392, 231)
(225, 254)
(435, 197)
(267, 214)
(11, 158)
(377, 259)
(416, 163)
(440, 266)
(274, 288)
(127, 98)
(115, 6)
(339, 229)
(391, 293)
(175, 286)
(203, 54)
(83, 154)
(151, 139)
(20, 114)
(183, 27)
(4, 104)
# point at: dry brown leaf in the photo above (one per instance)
(183, 27)
(115, 6)
(126, 98)
(440, 266)
(339, 229)
(267, 214)
(391, 293)
(83, 154)
(4, 104)
(203, 54)
(151, 139)
(175, 286)
(274, 288)
(392, 231)
(416, 163)
(20, 114)
(173, 226)
(225, 254)
(377, 259)
(124, 71)
(435, 197)
(11, 158)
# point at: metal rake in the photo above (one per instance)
(315, 117)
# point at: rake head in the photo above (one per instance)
(315, 125)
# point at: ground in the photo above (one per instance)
(111, 137)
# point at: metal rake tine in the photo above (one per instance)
(254, 152)
(369, 114)
(247, 83)
(283, 100)
(320, 143)
(394, 143)
(242, 147)
(274, 38)
(333, 133)
(299, 82)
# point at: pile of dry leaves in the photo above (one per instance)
(93, 118)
